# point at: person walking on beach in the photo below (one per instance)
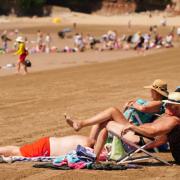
(22, 52)
(5, 40)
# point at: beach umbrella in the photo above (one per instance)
(56, 20)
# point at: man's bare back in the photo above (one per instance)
(62, 145)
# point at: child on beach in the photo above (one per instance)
(22, 52)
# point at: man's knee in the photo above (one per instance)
(114, 128)
(113, 109)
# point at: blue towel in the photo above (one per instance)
(144, 117)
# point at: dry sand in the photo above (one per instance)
(32, 106)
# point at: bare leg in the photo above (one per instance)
(95, 131)
(101, 140)
(116, 129)
(10, 151)
(25, 68)
(18, 67)
(109, 114)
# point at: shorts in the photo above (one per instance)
(22, 57)
(40, 147)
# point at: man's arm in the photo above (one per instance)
(160, 140)
(160, 127)
(145, 129)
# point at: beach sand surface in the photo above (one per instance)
(33, 106)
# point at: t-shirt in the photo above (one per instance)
(21, 49)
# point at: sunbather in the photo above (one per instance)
(158, 92)
(48, 146)
(165, 128)
(115, 123)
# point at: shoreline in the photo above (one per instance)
(71, 60)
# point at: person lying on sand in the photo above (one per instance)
(53, 146)
(48, 146)
(165, 128)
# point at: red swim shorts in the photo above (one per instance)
(38, 148)
(22, 57)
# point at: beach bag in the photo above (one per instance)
(117, 150)
(28, 63)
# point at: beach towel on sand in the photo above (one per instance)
(93, 166)
(81, 158)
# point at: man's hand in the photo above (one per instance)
(126, 129)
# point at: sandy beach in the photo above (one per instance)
(81, 84)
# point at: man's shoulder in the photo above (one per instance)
(168, 117)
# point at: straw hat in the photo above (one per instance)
(177, 89)
(20, 39)
(173, 98)
(159, 86)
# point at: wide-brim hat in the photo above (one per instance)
(159, 86)
(20, 39)
(177, 89)
(173, 98)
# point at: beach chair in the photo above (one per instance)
(132, 148)
(140, 121)
(135, 156)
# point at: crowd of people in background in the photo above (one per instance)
(110, 40)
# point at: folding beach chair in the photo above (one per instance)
(133, 112)
(133, 155)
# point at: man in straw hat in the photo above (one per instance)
(165, 128)
(22, 52)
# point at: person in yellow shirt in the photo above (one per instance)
(22, 52)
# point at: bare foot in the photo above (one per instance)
(74, 124)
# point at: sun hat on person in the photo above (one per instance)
(177, 89)
(173, 98)
(159, 86)
(20, 39)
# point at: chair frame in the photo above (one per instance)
(129, 157)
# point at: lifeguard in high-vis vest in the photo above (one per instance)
(22, 52)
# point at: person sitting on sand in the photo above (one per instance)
(22, 52)
(165, 128)
(158, 91)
